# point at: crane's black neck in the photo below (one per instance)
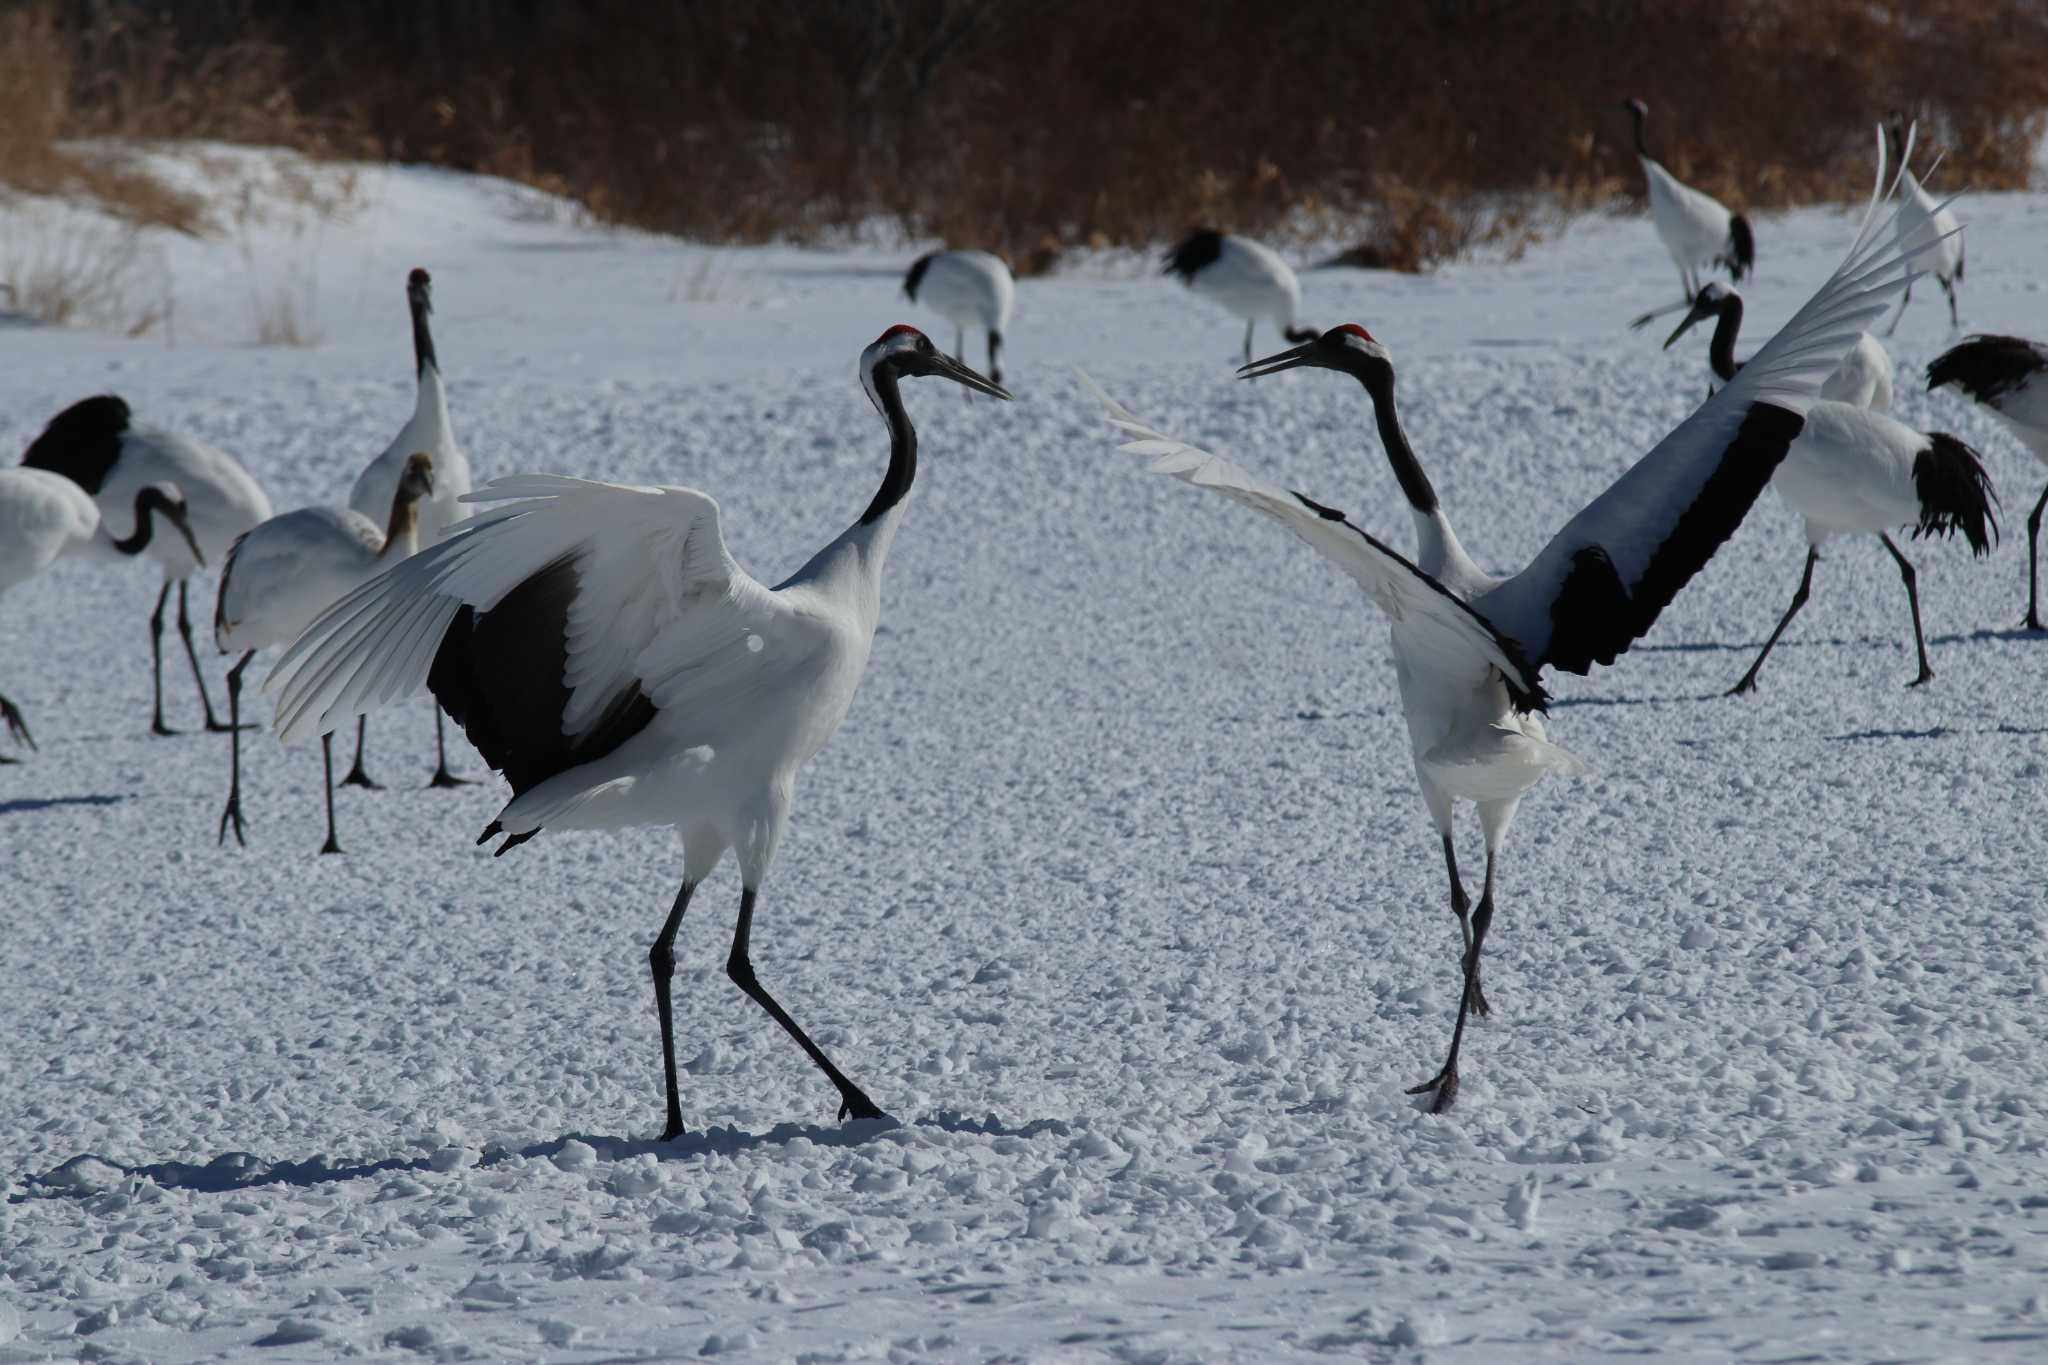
(149, 500)
(902, 443)
(422, 335)
(1378, 377)
(1721, 352)
(1642, 147)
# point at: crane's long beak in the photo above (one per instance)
(183, 521)
(1285, 360)
(1690, 318)
(948, 368)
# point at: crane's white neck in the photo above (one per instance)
(430, 407)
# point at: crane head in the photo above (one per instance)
(904, 352)
(1713, 300)
(1349, 348)
(166, 500)
(418, 479)
(1636, 107)
(419, 289)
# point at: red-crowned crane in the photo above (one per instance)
(44, 516)
(93, 444)
(601, 649)
(1925, 222)
(427, 431)
(1248, 278)
(2008, 375)
(1863, 379)
(1696, 228)
(1469, 649)
(283, 573)
(967, 289)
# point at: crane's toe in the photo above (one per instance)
(856, 1105)
(1445, 1084)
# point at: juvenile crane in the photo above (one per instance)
(283, 573)
(93, 444)
(967, 289)
(1247, 278)
(1696, 228)
(428, 431)
(1855, 470)
(601, 649)
(1469, 649)
(2008, 375)
(45, 516)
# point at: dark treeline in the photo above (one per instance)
(1028, 124)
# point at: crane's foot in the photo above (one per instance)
(856, 1105)
(1476, 998)
(5, 761)
(221, 727)
(1743, 688)
(673, 1130)
(1444, 1083)
(1926, 676)
(161, 730)
(231, 814)
(2033, 622)
(445, 779)
(16, 726)
(331, 846)
(358, 778)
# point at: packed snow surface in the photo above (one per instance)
(1114, 890)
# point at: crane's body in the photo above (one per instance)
(967, 289)
(1247, 278)
(1469, 649)
(1698, 230)
(603, 651)
(1925, 224)
(94, 444)
(2009, 376)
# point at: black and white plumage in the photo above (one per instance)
(602, 650)
(94, 444)
(2008, 375)
(1925, 222)
(1863, 379)
(1248, 278)
(1696, 228)
(45, 516)
(1468, 648)
(967, 289)
(428, 431)
(283, 573)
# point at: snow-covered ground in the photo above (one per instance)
(1114, 890)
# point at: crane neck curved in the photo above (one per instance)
(1378, 379)
(1721, 351)
(880, 382)
(147, 501)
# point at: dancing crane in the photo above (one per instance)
(1469, 648)
(1247, 278)
(2008, 375)
(1925, 222)
(427, 431)
(283, 573)
(602, 649)
(93, 444)
(967, 289)
(1696, 228)
(44, 516)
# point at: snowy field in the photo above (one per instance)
(1114, 890)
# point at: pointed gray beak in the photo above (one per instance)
(183, 521)
(1690, 318)
(946, 367)
(1303, 354)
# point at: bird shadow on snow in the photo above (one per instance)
(91, 1174)
(22, 805)
(1981, 636)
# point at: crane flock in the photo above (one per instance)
(601, 649)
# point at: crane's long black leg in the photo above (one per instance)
(852, 1100)
(356, 776)
(192, 655)
(232, 812)
(2033, 563)
(1461, 905)
(1913, 598)
(1948, 287)
(1445, 1082)
(442, 777)
(1748, 683)
(1248, 340)
(960, 343)
(1903, 301)
(995, 341)
(156, 661)
(16, 726)
(661, 960)
(333, 845)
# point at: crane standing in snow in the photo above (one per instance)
(967, 289)
(1864, 378)
(603, 650)
(1925, 221)
(1469, 648)
(44, 516)
(93, 444)
(1696, 228)
(1247, 278)
(283, 573)
(2008, 375)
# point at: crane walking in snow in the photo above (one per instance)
(1696, 228)
(967, 289)
(1468, 648)
(93, 444)
(1863, 379)
(1246, 277)
(44, 516)
(2008, 375)
(603, 650)
(1925, 222)
(283, 573)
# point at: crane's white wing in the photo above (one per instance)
(1422, 608)
(1602, 580)
(551, 625)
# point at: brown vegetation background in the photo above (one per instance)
(1028, 125)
